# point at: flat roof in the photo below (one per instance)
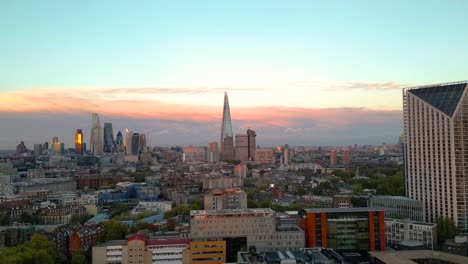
(343, 210)
(113, 243)
(406, 256)
(232, 211)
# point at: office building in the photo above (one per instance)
(205, 251)
(398, 207)
(142, 141)
(119, 141)
(286, 155)
(265, 156)
(242, 228)
(333, 158)
(345, 229)
(109, 143)
(346, 160)
(227, 198)
(128, 141)
(135, 144)
(227, 137)
(194, 154)
(242, 147)
(138, 249)
(38, 149)
(400, 230)
(96, 136)
(55, 140)
(213, 152)
(252, 141)
(435, 150)
(79, 148)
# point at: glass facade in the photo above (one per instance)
(227, 139)
(109, 142)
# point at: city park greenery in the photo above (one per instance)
(37, 251)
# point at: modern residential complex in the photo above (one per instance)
(436, 150)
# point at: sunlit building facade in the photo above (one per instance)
(242, 147)
(79, 144)
(227, 137)
(96, 136)
(436, 150)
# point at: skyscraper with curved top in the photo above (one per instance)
(227, 139)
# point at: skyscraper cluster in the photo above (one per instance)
(244, 146)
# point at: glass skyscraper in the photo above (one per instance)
(227, 139)
(96, 135)
(109, 143)
(436, 150)
(79, 144)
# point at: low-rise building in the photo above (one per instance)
(228, 198)
(242, 228)
(399, 207)
(397, 230)
(138, 249)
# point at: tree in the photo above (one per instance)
(113, 230)
(252, 204)
(446, 229)
(119, 209)
(78, 258)
(5, 219)
(392, 185)
(79, 219)
(197, 205)
(37, 251)
(179, 210)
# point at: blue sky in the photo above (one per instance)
(305, 54)
(148, 43)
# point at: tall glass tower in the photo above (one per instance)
(79, 144)
(96, 135)
(109, 142)
(227, 139)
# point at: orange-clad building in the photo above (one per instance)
(345, 228)
(206, 252)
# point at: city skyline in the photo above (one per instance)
(313, 72)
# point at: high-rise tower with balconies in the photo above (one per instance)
(436, 149)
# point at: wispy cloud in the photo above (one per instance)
(174, 90)
(361, 85)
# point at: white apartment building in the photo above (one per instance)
(436, 150)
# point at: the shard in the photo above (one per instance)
(227, 139)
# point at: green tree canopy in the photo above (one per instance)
(446, 229)
(78, 258)
(113, 230)
(37, 251)
(179, 210)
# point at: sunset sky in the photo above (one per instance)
(298, 72)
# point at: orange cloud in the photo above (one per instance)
(50, 102)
